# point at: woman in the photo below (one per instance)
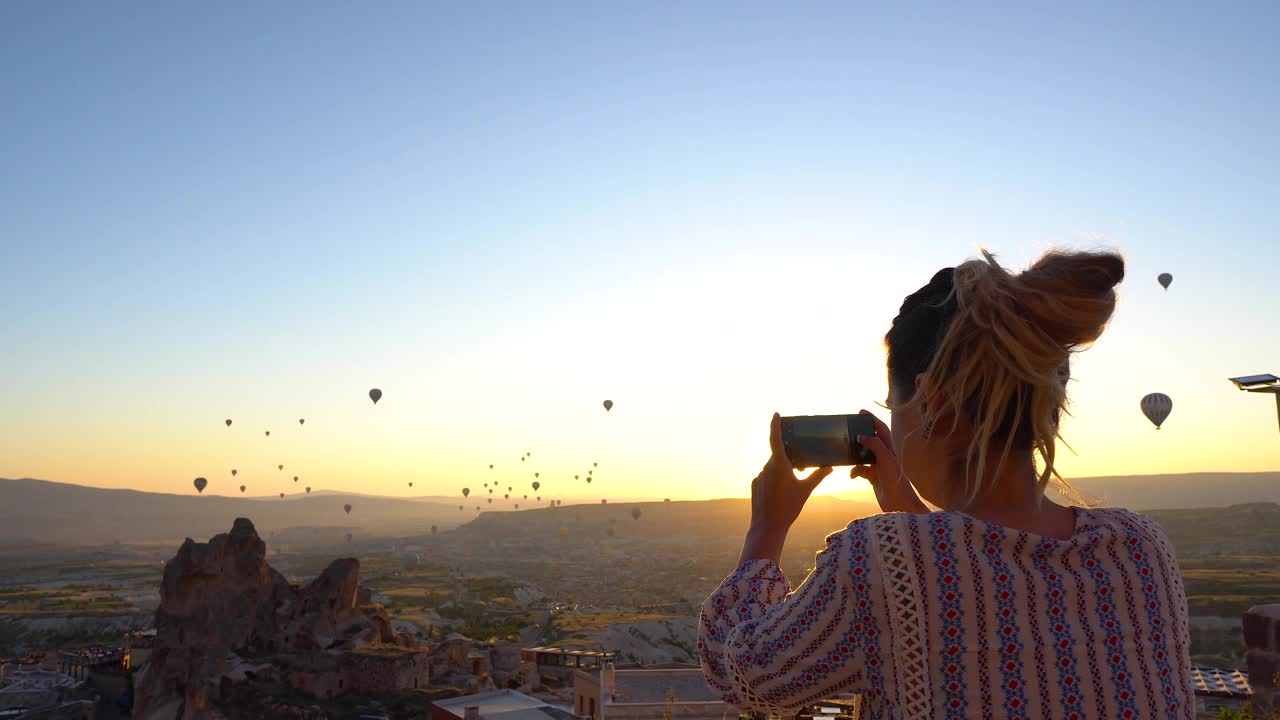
(1003, 604)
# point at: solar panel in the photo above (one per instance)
(1247, 380)
(1220, 683)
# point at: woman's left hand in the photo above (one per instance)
(777, 495)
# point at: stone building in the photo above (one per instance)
(1262, 638)
(647, 693)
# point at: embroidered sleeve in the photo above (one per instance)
(772, 651)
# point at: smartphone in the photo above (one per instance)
(818, 440)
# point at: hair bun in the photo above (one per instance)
(1071, 295)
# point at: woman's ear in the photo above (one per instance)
(932, 402)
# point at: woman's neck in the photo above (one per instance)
(1015, 501)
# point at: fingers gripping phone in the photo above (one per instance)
(818, 440)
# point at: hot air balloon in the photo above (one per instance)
(489, 500)
(490, 491)
(509, 488)
(233, 472)
(301, 420)
(588, 480)
(666, 500)
(608, 405)
(375, 395)
(1157, 407)
(348, 537)
(347, 507)
(200, 483)
(535, 474)
(242, 489)
(477, 508)
(228, 421)
(268, 433)
(604, 501)
(517, 506)
(526, 497)
(466, 492)
(575, 477)
(295, 478)
(538, 499)
(279, 467)
(595, 464)
(521, 459)
(281, 494)
(459, 507)
(536, 484)
(506, 496)
(308, 489)
(635, 513)
(434, 529)
(490, 467)
(1165, 279)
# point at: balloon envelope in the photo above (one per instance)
(200, 483)
(241, 488)
(301, 420)
(536, 484)
(308, 489)
(375, 395)
(635, 513)
(1157, 406)
(268, 433)
(228, 421)
(347, 507)
(233, 472)
(1165, 279)
(466, 492)
(608, 405)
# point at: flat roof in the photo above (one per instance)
(569, 651)
(490, 703)
(651, 686)
(1255, 379)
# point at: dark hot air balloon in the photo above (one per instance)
(268, 433)
(233, 472)
(375, 395)
(242, 489)
(410, 484)
(200, 484)
(308, 489)
(347, 507)
(279, 467)
(635, 513)
(490, 467)
(604, 501)
(1165, 280)
(281, 494)
(538, 499)
(228, 421)
(466, 492)
(295, 478)
(608, 405)
(301, 420)
(1157, 407)
(536, 484)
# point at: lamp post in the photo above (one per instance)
(1260, 384)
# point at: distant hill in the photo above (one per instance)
(38, 511)
(1183, 491)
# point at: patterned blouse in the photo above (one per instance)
(946, 616)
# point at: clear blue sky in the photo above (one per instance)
(505, 213)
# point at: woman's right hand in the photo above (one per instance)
(893, 490)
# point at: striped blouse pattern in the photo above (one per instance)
(1005, 624)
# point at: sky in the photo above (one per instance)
(503, 214)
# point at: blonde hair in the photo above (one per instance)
(1002, 356)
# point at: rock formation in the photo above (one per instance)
(222, 607)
